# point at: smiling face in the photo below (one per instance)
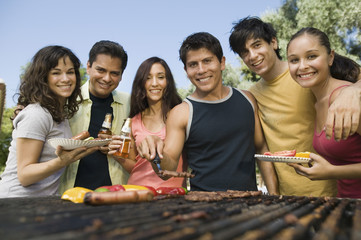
(204, 70)
(104, 75)
(260, 56)
(156, 83)
(62, 79)
(308, 61)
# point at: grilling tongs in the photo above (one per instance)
(156, 165)
(165, 174)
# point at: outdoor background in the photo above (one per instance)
(149, 28)
(145, 28)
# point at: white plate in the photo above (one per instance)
(282, 159)
(69, 144)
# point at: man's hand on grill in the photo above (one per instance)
(150, 146)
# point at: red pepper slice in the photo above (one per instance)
(116, 188)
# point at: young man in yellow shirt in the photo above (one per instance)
(286, 110)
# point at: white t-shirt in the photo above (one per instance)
(33, 122)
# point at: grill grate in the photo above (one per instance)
(255, 217)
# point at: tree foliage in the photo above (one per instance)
(5, 136)
(340, 20)
(83, 74)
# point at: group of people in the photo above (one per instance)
(311, 102)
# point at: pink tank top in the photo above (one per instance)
(143, 173)
(341, 153)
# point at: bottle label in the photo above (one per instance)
(107, 125)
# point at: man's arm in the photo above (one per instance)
(267, 169)
(171, 150)
(176, 133)
(343, 115)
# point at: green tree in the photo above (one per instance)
(83, 74)
(340, 20)
(184, 92)
(5, 136)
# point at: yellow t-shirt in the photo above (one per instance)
(286, 111)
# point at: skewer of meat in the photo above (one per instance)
(219, 195)
(166, 173)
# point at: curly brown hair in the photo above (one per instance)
(34, 87)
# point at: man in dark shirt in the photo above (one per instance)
(217, 127)
(106, 64)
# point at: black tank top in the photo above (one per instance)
(220, 143)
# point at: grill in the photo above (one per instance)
(255, 217)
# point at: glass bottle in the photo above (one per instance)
(107, 125)
(123, 151)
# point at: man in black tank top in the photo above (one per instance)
(216, 127)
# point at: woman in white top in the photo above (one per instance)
(48, 92)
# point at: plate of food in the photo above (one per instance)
(70, 144)
(287, 156)
(282, 159)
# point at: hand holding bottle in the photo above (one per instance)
(125, 139)
(115, 144)
(105, 131)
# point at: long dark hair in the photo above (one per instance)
(34, 87)
(138, 99)
(342, 68)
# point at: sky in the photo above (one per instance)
(145, 28)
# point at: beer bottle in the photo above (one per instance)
(107, 125)
(123, 151)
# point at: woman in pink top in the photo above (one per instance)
(153, 95)
(314, 65)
